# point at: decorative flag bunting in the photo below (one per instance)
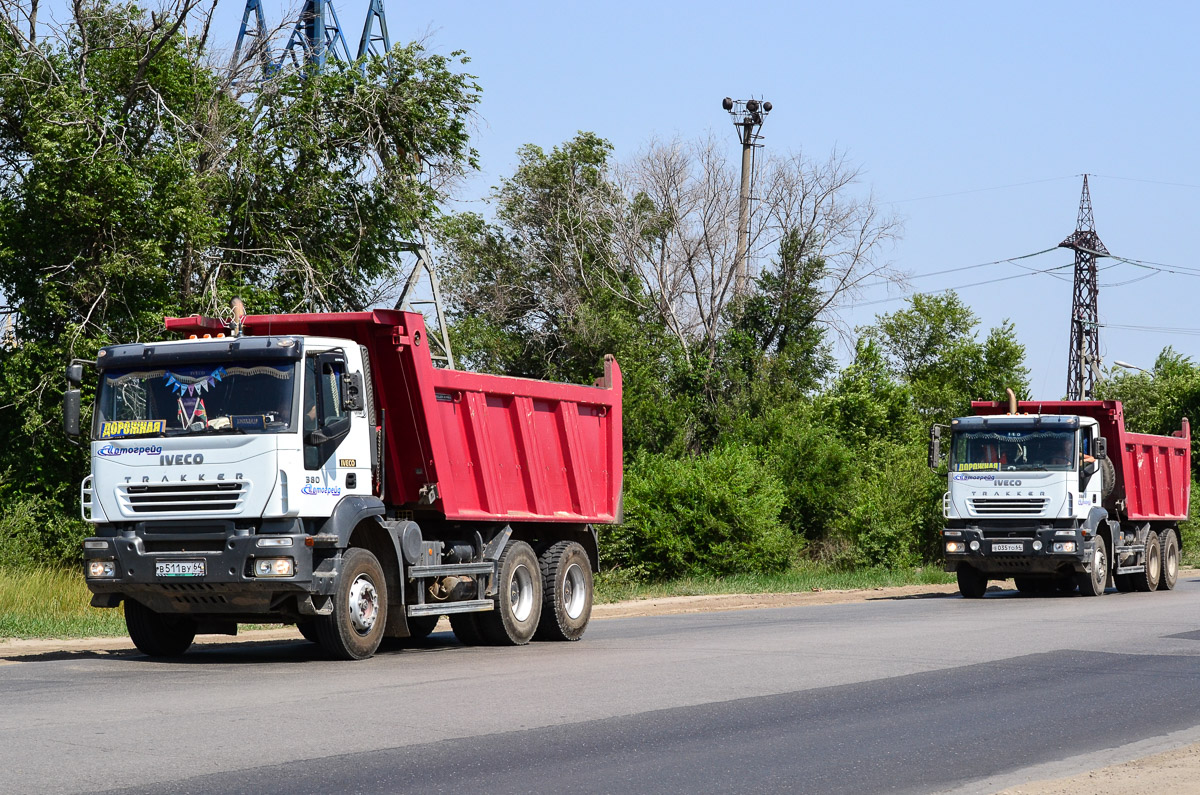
(194, 386)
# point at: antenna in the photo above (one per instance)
(748, 116)
(1083, 357)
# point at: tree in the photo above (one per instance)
(933, 347)
(134, 183)
(1157, 402)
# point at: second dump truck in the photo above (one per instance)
(1060, 496)
(317, 469)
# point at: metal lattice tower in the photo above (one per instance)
(315, 38)
(1083, 357)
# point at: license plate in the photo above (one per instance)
(1008, 547)
(179, 568)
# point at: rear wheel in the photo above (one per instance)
(158, 635)
(308, 630)
(1169, 543)
(1147, 579)
(566, 592)
(972, 583)
(1092, 583)
(466, 628)
(518, 599)
(355, 627)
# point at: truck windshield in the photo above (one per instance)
(251, 397)
(1009, 450)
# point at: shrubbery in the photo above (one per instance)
(34, 532)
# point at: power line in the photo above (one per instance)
(964, 286)
(1147, 181)
(982, 190)
(882, 282)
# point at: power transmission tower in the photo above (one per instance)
(316, 37)
(1083, 357)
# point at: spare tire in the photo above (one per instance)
(1108, 476)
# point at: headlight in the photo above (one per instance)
(1037, 546)
(1064, 546)
(101, 568)
(274, 567)
(955, 546)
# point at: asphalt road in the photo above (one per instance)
(894, 695)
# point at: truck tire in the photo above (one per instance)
(1169, 544)
(308, 630)
(518, 598)
(466, 628)
(972, 583)
(566, 592)
(158, 635)
(1108, 477)
(1147, 579)
(1093, 583)
(355, 627)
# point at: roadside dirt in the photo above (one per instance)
(1175, 771)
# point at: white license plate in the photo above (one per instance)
(179, 568)
(1008, 547)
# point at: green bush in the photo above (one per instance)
(896, 513)
(35, 532)
(707, 515)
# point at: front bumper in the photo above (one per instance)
(228, 585)
(1009, 551)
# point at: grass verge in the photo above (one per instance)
(613, 587)
(52, 603)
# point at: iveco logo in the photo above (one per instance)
(1003, 482)
(182, 458)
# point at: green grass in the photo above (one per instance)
(612, 587)
(52, 603)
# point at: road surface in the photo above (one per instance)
(913, 694)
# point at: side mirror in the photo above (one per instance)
(71, 411)
(352, 392)
(331, 434)
(1101, 449)
(935, 446)
(75, 374)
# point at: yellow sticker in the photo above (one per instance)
(131, 427)
(978, 467)
(347, 462)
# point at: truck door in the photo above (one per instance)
(332, 438)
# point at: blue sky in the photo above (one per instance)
(941, 106)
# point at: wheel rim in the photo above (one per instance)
(1171, 564)
(1153, 565)
(520, 593)
(1100, 566)
(364, 604)
(574, 591)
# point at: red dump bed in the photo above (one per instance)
(497, 448)
(1153, 472)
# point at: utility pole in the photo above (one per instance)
(1083, 355)
(748, 116)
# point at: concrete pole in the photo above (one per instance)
(741, 284)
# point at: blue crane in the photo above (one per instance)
(315, 38)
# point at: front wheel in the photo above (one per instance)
(567, 592)
(155, 634)
(1092, 583)
(1170, 560)
(518, 599)
(355, 627)
(972, 583)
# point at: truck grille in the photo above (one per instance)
(216, 497)
(1011, 506)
